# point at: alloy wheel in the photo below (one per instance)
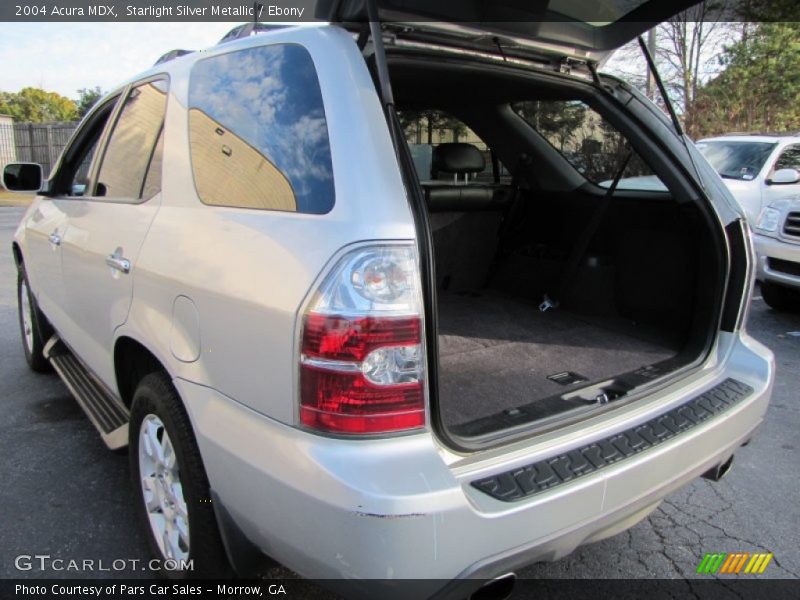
(162, 490)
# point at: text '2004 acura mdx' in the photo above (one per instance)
(332, 331)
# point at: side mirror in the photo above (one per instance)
(22, 177)
(784, 177)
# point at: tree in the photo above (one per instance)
(763, 11)
(687, 54)
(558, 121)
(87, 98)
(759, 90)
(685, 39)
(37, 106)
(412, 123)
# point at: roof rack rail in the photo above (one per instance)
(171, 55)
(248, 29)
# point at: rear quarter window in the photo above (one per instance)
(592, 145)
(257, 131)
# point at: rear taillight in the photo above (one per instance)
(362, 360)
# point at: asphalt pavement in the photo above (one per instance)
(64, 494)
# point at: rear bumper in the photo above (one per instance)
(394, 509)
(772, 248)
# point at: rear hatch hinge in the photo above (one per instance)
(566, 64)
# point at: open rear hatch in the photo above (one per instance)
(638, 272)
(557, 296)
(566, 28)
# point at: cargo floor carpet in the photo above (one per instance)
(496, 353)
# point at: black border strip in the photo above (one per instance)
(524, 482)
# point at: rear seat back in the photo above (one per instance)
(465, 160)
(458, 158)
(465, 217)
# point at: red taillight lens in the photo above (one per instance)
(348, 403)
(343, 338)
(345, 364)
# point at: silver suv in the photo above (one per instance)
(392, 318)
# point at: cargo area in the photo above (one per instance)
(633, 307)
(498, 353)
(571, 269)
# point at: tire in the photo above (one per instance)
(32, 324)
(780, 298)
(176, 491)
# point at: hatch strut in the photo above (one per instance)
(380, 54)
(595, 76)
(417, 203)
(657, 76)
(496, 40)
(663, 90)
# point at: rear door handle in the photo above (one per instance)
(55, 239)
(118, 263)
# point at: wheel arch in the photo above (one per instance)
(17, 252)
(132, 362)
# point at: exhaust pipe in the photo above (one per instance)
(499, 588)
(719, 471)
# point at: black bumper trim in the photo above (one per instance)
(546, 474)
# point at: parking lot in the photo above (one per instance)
(65, 495)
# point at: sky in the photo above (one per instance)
(65, 57)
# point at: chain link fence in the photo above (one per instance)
(34, 142)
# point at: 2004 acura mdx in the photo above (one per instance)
(375, 358)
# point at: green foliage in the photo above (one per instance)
(590, 143)
(760, 88)
(768, 10)
(559, 122)
(37, 106)
(415, 122)
(87, 98)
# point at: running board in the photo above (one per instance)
(104, 409)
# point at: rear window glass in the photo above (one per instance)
(592, 145)
(426, 129)
(130, 149)
(257, 130)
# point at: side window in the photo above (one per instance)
(131, 146)
(592, 145)
(80, 179)
(257, 131)
(789, 158)
(72, 176)
(152, 181)
(427, 129)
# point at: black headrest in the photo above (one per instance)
(458, 158)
